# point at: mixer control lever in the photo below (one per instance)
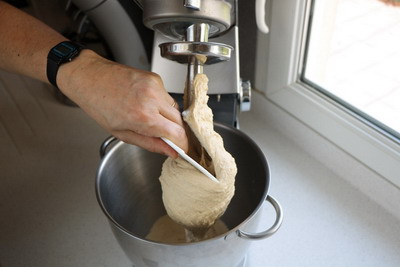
(245, 95)
(192, 4)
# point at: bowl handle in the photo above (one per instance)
(105, 144)
(272, 230)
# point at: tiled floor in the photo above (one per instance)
(363, 60)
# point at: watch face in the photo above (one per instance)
(64, 49)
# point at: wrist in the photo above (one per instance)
(68, 77)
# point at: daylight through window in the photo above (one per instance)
(353, 56)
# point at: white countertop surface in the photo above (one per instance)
(49, 214)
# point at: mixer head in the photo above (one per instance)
(173, 17)
(189, 24)
(192, 21)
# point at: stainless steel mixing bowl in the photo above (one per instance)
(129, 193)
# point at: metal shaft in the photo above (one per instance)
(194, 33)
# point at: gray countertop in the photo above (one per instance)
(50, 216)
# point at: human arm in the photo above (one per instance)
(131, 104)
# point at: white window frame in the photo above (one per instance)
(281, 53)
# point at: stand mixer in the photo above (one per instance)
(183, 30)
(181, 50)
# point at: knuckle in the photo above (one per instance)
(149, 91)
(146, 119)
(155, 77)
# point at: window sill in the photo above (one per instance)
(326, 153)
(329, 155)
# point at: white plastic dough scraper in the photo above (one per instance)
(189, 159)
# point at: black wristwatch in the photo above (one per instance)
(63, 52)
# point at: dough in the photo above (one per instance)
(190, 198)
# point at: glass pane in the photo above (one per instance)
(353, 56)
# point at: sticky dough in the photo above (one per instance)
(190, 198)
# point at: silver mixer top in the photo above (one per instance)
(173, 17)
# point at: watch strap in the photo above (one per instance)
(52, 69)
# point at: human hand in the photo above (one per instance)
(131, 104)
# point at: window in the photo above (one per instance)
(293, 82)
(353, 57)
